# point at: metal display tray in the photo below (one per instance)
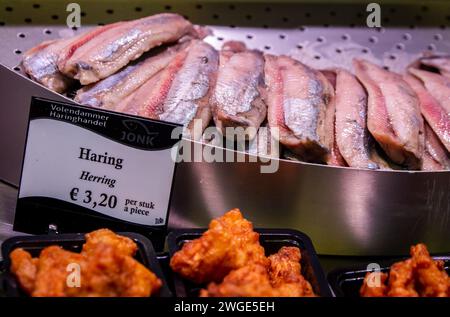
(345, 211)
(272, 240)
(346, 282)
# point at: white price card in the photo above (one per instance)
(85, 164)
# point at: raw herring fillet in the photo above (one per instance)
(237, 98)
(352, 135)
(108, 92)
(441, 63)
(393, 116)
(40, 64)
(117, 44)
(437, 116)
(335, 158)
(179, 93)
(435, 157)
(187, 101)
(298, 98)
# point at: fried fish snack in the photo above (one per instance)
(282, 278)
(123, 245)
(285, 273)
(105, 268)
(229, 244)
(419, 276)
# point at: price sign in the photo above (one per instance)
(85, 167)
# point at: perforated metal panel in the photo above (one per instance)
(319, 34)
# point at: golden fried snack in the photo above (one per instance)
(282, 278)
(285, 272)
(418, 276)
(25, 268)
(123, 245)
(249, 281)
(105, 269)
(401, 280)
(52, 274)
(368, 288)
(106, 272)
(432, 279)
(230, 243)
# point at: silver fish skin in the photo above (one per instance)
(335, 157)
(436, 157)
(40, 63)
(108, 92)
(393, 116)
(237, 100)
(433, 110)
(148, 100)
(187, 101)
(116, 45)
(298, 99)
(352, 135)
(437, 85)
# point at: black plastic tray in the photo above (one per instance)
(272, 240)
(73, 242)
(346, 282)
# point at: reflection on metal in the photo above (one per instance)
(345, 211)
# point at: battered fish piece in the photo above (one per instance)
(122, 245)
(249, 281)
(285, 273)
(433, 280)
(419, 276)
(25, 268)
(282, 278)
(401, 280)
(107, 273)
(52, 274)
(105, 265)
(374, 291)
(229, 244)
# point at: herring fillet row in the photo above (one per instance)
(335, 157)
(434, 113)
(108, 92)
(179, 93)
(168, 98)
(393, 116)
(297, 98)
(436, 157)
(237, 98)
(40, 63)
(352, 136)
(187, 101)
(117, 44)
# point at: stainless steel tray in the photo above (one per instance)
(345, 211)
